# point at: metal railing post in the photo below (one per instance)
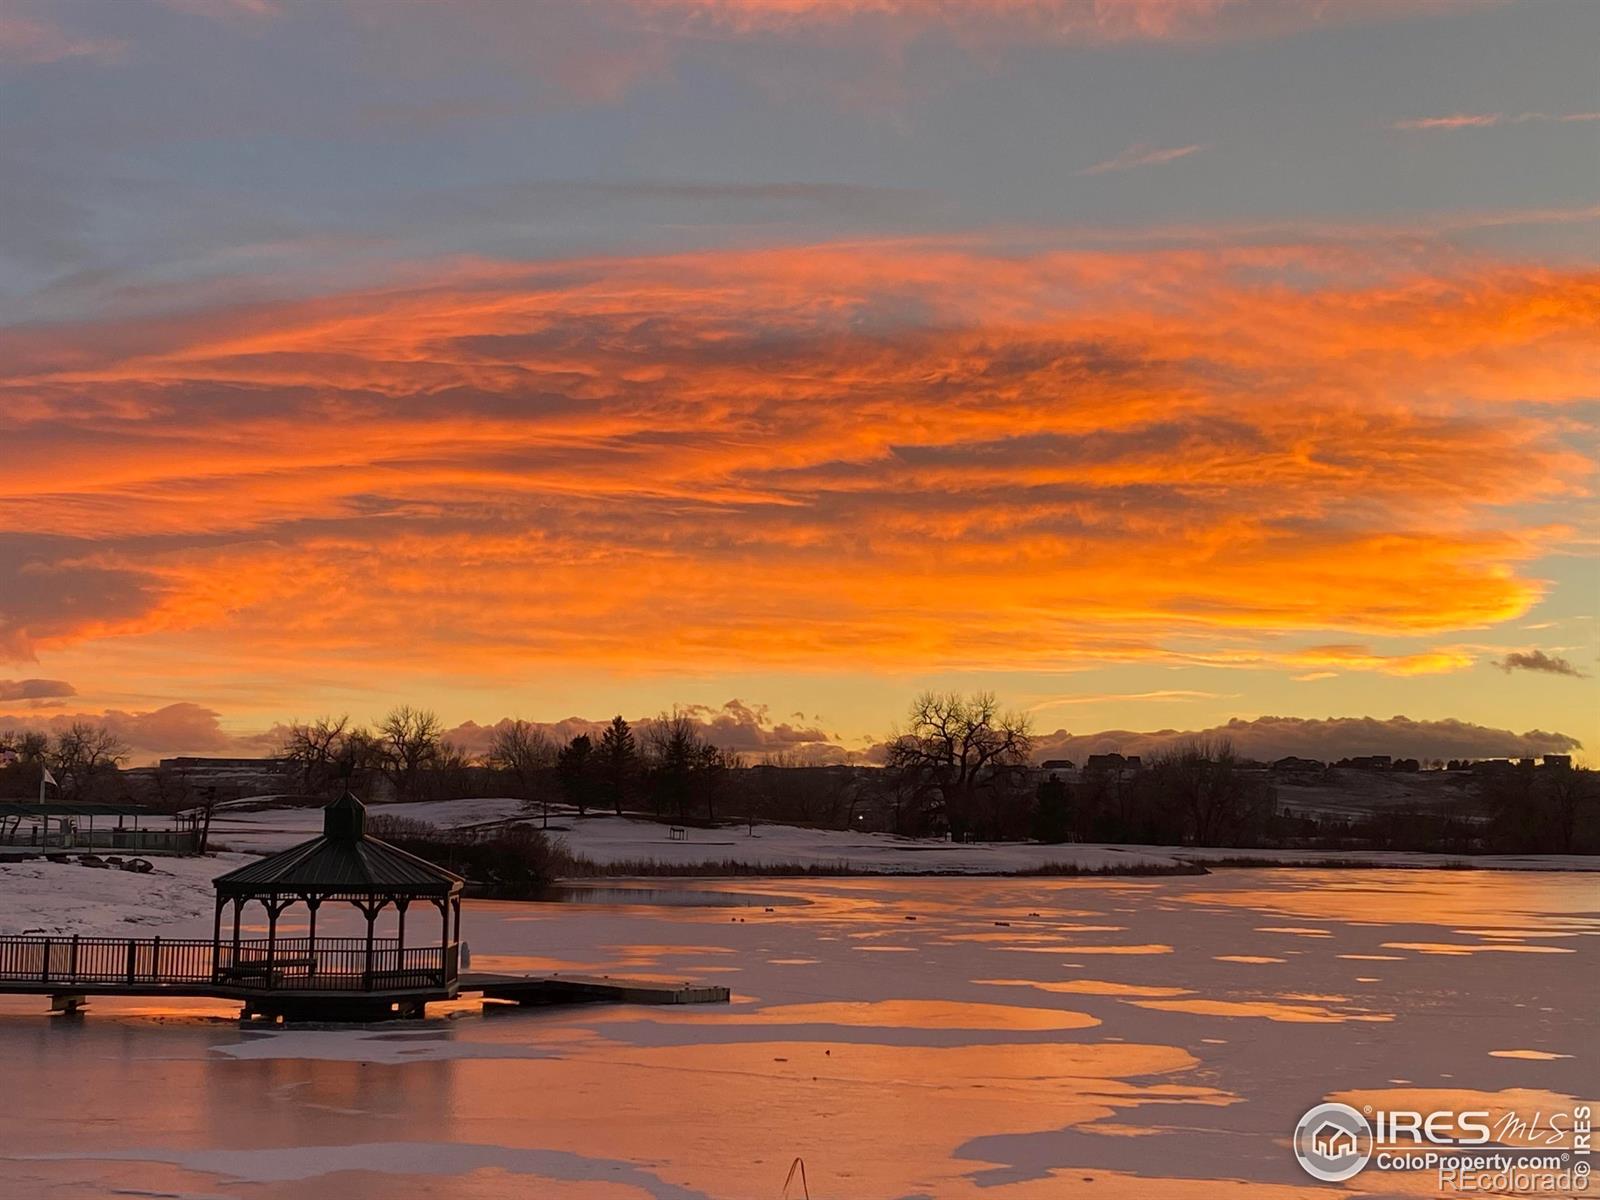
(44, 970)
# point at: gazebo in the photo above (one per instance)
(311, 974)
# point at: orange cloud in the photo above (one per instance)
(962, 454)
(1139, 155)
(1489, 120)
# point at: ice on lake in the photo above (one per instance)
(1018, 1040)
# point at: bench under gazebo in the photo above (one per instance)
(311, 975)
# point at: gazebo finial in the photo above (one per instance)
(345, 819)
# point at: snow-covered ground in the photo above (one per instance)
(608, 839)
(40, 896)
(611, 839)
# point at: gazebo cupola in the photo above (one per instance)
(345, 865)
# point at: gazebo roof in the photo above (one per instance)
(343, 862)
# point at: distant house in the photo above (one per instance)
(1065, 764)
(1098, 763)
(190, 763)
(1557, 762)
(1371, 762)
(1292, 765)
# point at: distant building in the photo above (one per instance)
(223, 764)
(1371, 762)
(1097, 763)
(1299, 766)
(1065, 764)
(1558, 762)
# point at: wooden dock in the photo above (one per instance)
(303, 977)
(588, 989)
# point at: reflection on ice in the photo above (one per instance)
(1089, 987)
(950, 1059)
(1268, 1009)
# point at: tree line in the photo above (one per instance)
(672, 769)
(959, 767)
(84, 759)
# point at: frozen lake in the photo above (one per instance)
(936, 1038)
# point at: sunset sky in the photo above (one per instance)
(1153, 363)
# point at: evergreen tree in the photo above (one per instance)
(619, 761)
(575, 770)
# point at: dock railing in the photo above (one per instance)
(324, 964)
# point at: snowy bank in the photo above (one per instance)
(610, 840)
(60, 896)
(63, 897)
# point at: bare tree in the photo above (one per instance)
(524, 752)
(409, 742)
(82, 751)
(29, 745)
(1204, 780)
(316, 748)
(675, 752)
(954, 750)
(684, 768)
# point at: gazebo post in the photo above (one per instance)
(371, 912)
(444, 938)
(312, 903)
(216, 937)
(401, 903)
(238, 907)
(274, 908)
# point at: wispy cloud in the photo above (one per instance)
(1538, 660)
(1141, 155)
(28, 41)
(1172, 695)
(255, 10)
(1490, 120)
(1057, 21)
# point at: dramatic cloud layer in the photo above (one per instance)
(957, 455)
(1269, 738)
(189, 728)
(181, 728)
(753, 731)
(748, 729)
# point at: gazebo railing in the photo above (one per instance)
(330, 964)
